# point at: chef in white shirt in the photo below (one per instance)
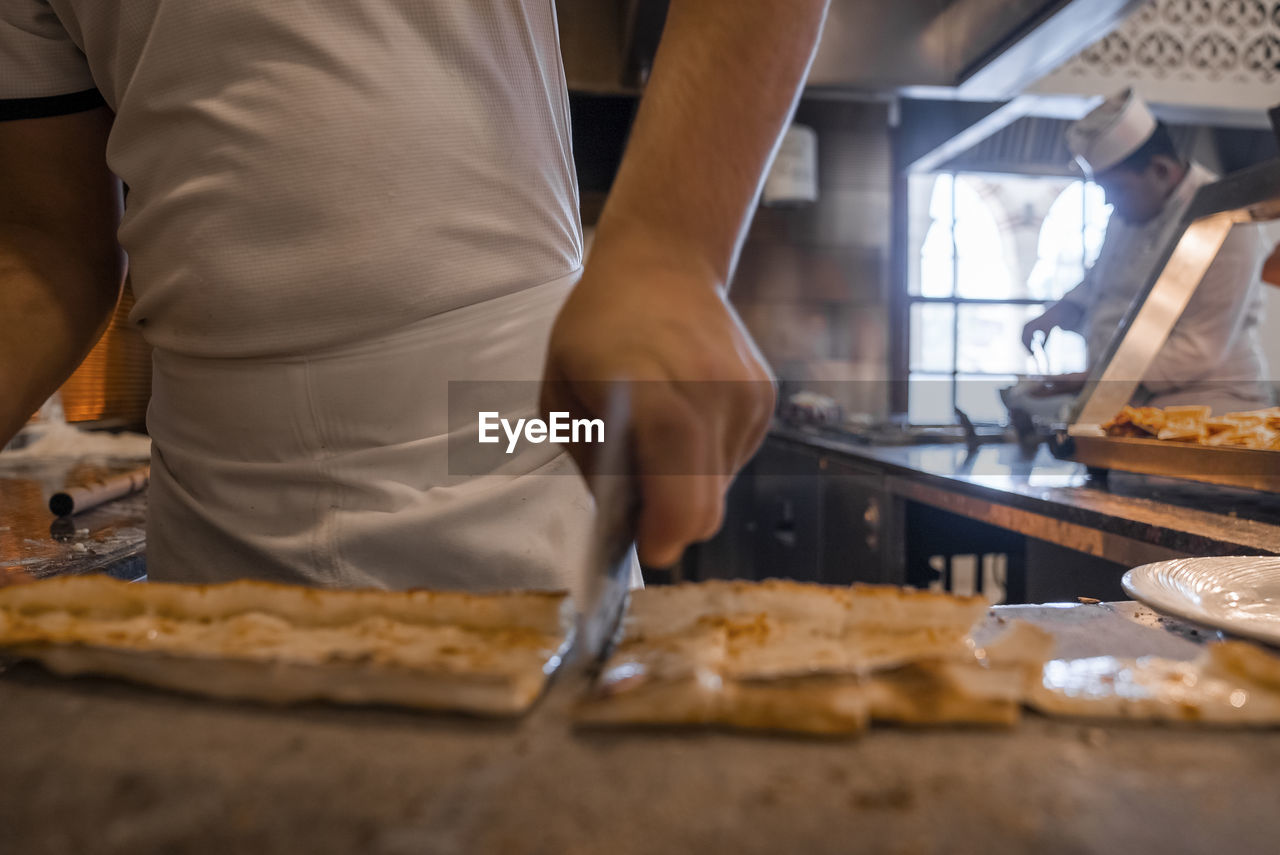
(339, 208)
(1213, 356)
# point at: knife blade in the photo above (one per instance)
(605, 575)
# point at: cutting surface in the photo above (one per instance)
(98, 766)
(36, 544)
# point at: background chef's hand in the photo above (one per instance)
(701, 395)
(1061, 314)
(1060, 384)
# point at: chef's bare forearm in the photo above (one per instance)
(60, 265)
(725, 82)
(53, 310)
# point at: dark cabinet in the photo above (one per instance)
(859, 539)
(787, 510)
(731, 553)
(799, 512)
(796, 512)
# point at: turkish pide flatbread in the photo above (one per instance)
(808, 658)
(1231, 684)
(478, 653)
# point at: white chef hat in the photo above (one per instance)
(1115, 129)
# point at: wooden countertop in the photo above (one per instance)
(92, 765)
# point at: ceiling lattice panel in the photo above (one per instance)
(1185, 50)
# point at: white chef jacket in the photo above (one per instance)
(307, 174)
(1214, 355)
(336, 208)
(335, 468)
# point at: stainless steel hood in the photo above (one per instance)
(980, 49)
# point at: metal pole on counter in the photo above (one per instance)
(76, 500)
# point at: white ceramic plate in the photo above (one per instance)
(1240, 595)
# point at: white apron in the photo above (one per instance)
(332, 470)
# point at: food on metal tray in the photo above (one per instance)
(1257, 429)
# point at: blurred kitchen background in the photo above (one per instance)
(946, 211)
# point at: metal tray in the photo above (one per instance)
(1232, 467)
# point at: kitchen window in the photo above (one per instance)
(986, 254)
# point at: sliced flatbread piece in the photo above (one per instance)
(986, 687)
(672, 609)
(1213, 427)
(1135, 422)
(1187, 414)
(939, 692)
(1240, 659)
(821, 705)
(1183, 432)
(1184, 424)
(1250, 419)
(481, 653)
(1150, 419)
(1257, 437)
(779, 628)
(798, 657)
(1224, 688)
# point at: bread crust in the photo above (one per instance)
(1257, 429)
(1208, 691)
(488, 654)
(805, 658)
(104, 596)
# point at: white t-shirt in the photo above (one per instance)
(1214, 353)
(304, 174)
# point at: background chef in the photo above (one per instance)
(1213, 356)
(338, 206)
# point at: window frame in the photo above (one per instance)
(905, 300)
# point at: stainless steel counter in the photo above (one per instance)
(35, 544)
